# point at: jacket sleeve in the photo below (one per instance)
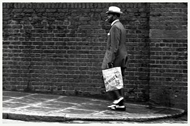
(115, 38)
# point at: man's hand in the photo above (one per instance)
(110, 64)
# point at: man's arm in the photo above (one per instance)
(115, 39)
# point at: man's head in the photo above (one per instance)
(113, 13)
(112, 17)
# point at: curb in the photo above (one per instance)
(108, 118)
(25, 117)
(85, 117)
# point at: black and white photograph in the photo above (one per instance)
(94, 62)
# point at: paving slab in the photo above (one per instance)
(51, 108)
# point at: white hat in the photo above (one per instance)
(114, 9)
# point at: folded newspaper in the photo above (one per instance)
(112, 78)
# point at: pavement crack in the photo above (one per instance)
(36, 104)
(17, 98)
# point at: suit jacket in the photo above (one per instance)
(116, 51)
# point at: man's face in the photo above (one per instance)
(110, 18)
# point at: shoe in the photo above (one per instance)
(120, 108)
(117, 107)
(111, 106)
(117, 101)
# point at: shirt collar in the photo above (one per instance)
(114, 22)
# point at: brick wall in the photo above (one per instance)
(58, 48)
(168, 54)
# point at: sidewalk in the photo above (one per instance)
(56, 108)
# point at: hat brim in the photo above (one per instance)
(108, 12)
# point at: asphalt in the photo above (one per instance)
(59, 108)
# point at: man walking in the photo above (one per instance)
(116, 53)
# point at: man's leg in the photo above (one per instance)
(120, 93)
(120, 106)
(113, 95)
(117, 94)
(119, 97)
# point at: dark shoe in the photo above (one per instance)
(118, 108)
